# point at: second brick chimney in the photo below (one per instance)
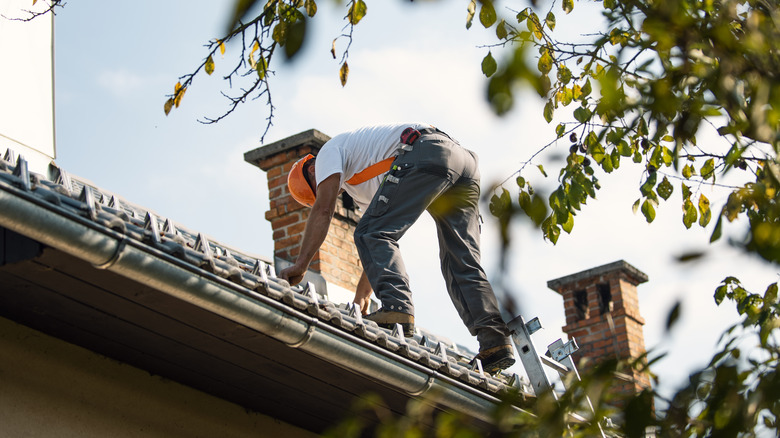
(337, 259)
(602, 314)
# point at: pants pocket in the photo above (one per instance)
(388, 191)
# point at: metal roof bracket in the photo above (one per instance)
(88, 198)
(23, 174)
(202, 245)
(150, 224)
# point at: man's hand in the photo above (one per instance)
(293, 274)
(316, 228)
(363, 294)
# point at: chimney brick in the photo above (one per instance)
(586, 299)
(337, 259)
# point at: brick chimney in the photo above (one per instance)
(602, 314)
(337, 260)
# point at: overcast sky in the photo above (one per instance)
(116, 62)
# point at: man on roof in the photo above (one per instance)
(395, 173)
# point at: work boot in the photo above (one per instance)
(388, 319)
(496, 359)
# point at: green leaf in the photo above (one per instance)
(649, 183)
(564, 74)
(615, 158)
(689, 213)
(688, 171)
(567, 6)
(568, 225)
(596, 151)
(551, 230)
(296, 33)
(489, 65)
(534, 26)
(548, 111)
(545, 62)
(209, 67)
(541, 169)
(624, 149)
(262, 67)
(704, 209)
(665, 189)
(487, 14)
(718, 231)
(708, 169)
(607, 164)
(582, 115)
(534, 207)
(501, 31)
(733, 155)
(586, 89)
(635, 207)
(720, 294)
(560, 130)
(357, 11)
(500, 205)
(686, 191)
(523, 15)
(648, 211)
(550, 20)
(674, 315)
(279, 34)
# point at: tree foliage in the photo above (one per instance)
(641, 90)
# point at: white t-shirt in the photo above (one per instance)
(351, 152)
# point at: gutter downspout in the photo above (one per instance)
(107, 249)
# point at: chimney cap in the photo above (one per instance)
(312, 137)
(630, 271)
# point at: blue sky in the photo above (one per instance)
(116, 62)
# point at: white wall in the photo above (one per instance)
(27, 83)
(51, 388)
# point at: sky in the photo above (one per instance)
(115, 62)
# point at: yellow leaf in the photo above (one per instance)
(178, 96)
(255, 48)
(34, 2)
(222, 48)
(176, 88)
(168, 106)
(209, 67)
(343, 73)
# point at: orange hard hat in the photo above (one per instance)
(298, 185)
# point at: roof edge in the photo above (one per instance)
(110, 250)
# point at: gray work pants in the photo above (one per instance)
(439, 176)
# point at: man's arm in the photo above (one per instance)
(316, 228)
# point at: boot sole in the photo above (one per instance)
(499, 365)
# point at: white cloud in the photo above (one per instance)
(120, 82)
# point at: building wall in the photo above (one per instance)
(53, 388)
(26, 83)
